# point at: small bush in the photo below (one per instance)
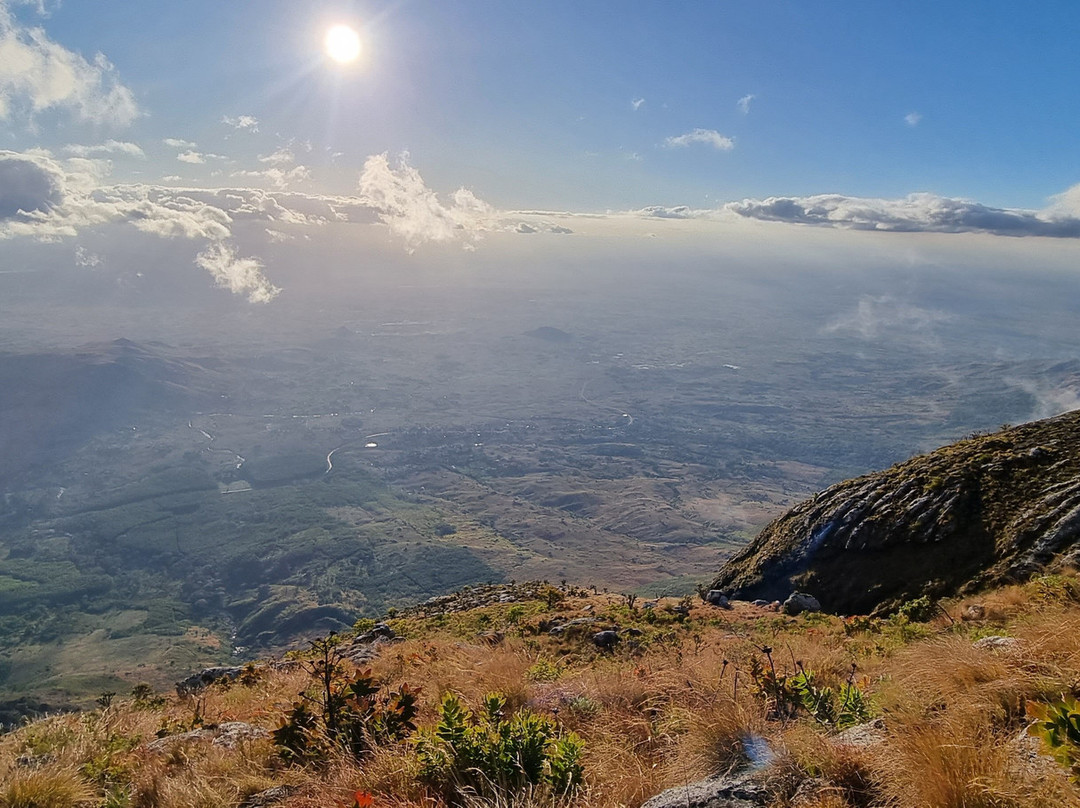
(345, 711)
(1058, 727)
(490, 753)
(919, 610)
(544, 670)
(785, 695)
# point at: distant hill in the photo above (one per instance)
(550, 334)
(990, 509)
(53, 402)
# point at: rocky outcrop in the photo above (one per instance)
(989, 509)
(745, 789)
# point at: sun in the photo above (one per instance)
(342, 44)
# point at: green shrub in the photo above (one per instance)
(544, 670)
(919, 610)
(345, 711)
(785, 695)
(467, 753)
(1058, 726)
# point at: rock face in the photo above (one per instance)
(989, 509)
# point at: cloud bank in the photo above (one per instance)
(926, 213)
(48, 199)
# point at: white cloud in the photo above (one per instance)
(191, 156)
(709, 137)
(39, 75)
(744, 103)
(278, 237)
(85, 258)
(281, 157)
(413, 212)
(637, 103)
(913, 213)
(118, 147)
(913, 118)
(238, 275)
(177, 143)
(1066, 204)
(279, 178)
(246, 123)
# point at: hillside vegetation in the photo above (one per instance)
(686, 690)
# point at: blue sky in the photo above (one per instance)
(201, 121)
(532, 104)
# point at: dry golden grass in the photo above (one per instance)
(658, 716)
(957, 762)
(50, 787)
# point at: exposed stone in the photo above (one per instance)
(1027, 758)
(862, 736)
(745, 789)
(998, 643)
(227, 735)
(810, 792)
(973, 611)
(799, 602)
(269, 796)
(206, 677)
(606, 639)
(231, 734)
(715, 597)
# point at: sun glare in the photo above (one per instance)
(342, 44)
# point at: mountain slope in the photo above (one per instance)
(987, 509)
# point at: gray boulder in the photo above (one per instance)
(998, 643)
(862, 736)
(227, 735)
(715, 597)
(799, 602)
(206, 677)
(269, 796)
(606, 639)
(744, 789)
